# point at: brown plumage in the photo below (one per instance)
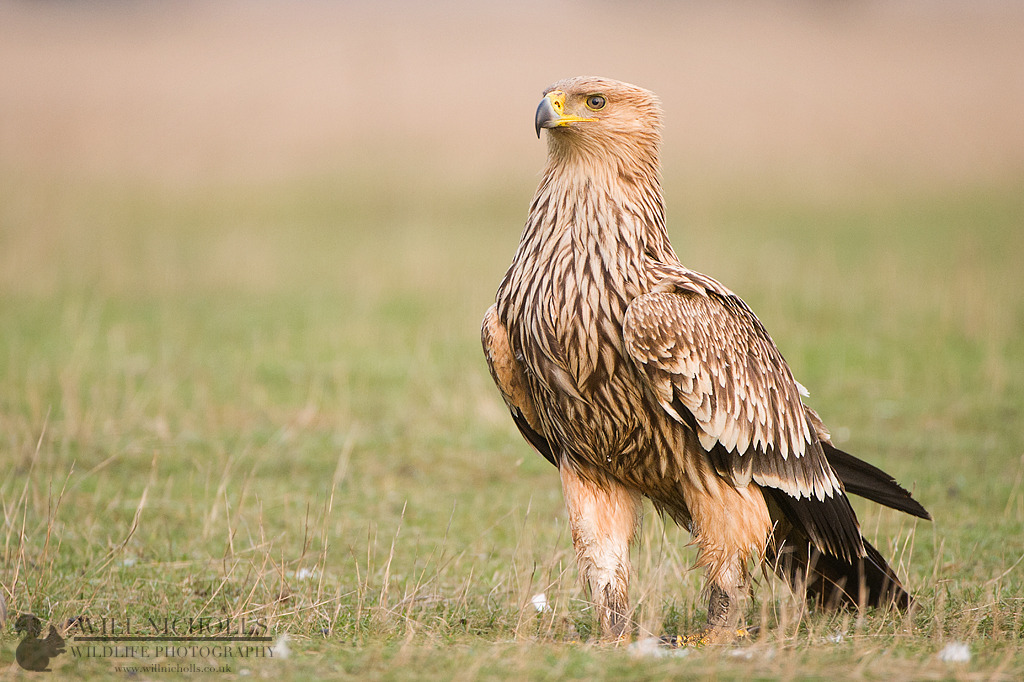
(639, 378)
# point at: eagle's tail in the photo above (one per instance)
(870, 482)
(796, 548)
(833, 583)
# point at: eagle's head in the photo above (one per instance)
(600, 114)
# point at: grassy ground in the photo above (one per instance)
(269, 402)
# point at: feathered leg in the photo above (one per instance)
(604, 516)
(730, 526)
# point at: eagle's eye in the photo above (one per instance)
(596, 102)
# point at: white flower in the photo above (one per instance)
(540, 602)
(280, 648)
(955, 652)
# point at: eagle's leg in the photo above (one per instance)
(730, 526)
(725, 609)
(604, 516)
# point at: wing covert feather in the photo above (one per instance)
(712, 366)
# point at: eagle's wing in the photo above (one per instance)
(507, 373)
(713, 368)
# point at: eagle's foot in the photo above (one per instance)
(709, 635)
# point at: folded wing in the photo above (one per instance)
(713, 368)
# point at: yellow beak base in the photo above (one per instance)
(551, 113)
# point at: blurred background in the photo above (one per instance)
(805, 94)
(400, 106)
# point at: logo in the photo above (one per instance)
(34, 653)
(152, 643)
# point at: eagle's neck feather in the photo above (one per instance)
(596, 228)
(600, 203)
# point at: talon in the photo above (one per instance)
(707, 636)
(680, 641)
(700, 639)
(672, 641)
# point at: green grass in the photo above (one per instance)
(270, 402)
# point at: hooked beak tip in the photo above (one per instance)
(546, 116)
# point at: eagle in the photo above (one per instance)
(638, 377)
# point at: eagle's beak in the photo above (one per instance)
(551, 112)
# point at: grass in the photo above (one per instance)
(269, 403)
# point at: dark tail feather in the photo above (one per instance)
(833, 583)
(870, 482)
